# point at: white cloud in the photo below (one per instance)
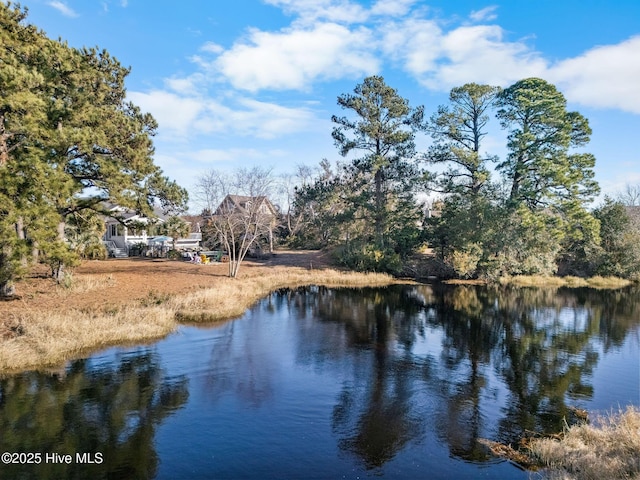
(294, 58)
(239, 155)
(175, 114)
(63, 8)
(617, 184)
(181, 117)
(415, 43)
(392, 8)
(269, 120)
(605, 76)
(442, 59)
(310, 11)
(212, 47)
(484, 15)
(187, 86)
(479, 54)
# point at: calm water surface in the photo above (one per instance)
(318, 383)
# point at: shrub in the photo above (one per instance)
(174, 255)
(367, 258)
(138, 249)
(465, 261)
(95, 251)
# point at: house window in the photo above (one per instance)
(114, 230)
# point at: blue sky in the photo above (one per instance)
(255, 82)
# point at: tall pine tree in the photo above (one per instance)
(382, 128)
(68, 142)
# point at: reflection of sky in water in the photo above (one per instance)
(284, 380)
(616, 380)
(565, 319)
(397, 382)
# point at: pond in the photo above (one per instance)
(396, 382)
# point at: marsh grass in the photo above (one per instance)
(37, 339)
(546, 281)
(608, 448)
(85, 283)
(607, 282)
(231, 297)
(49, 339)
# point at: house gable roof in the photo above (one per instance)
(241, 203)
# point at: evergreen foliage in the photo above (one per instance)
(372, 199)
(68, 142)
(458, 131)
(532, 220)
(620, 254)
(539, 166)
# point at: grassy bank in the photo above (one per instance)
(608, 447)
(547, 281)
(39, 338)
(542, 281)
(231, 297)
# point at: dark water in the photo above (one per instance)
(317, 383)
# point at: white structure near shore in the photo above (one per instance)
(127, 230)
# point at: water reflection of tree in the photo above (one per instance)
(542, 345)
(113, 409)
(239, 363)
(375, 416)
(470, 338)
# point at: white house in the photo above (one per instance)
(126, 228)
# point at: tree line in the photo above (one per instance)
(527, 213)
(69, 141)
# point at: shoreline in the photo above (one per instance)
(123, 302)
(602, 446)
(539, 281)
(37, 339)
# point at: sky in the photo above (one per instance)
(255, 82)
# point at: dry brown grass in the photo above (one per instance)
(50, 339)
(231, 297)
(607, 282)
(34, 338)
(547, 281)
(608, 448)
(87, 283)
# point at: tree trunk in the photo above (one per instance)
(4, 142)
(379, 215)
(20, 232)
(58, 272)
(7, 289)
(7, 273)
(270, 239)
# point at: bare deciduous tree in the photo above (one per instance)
(241, 214)
(630, 196)
(293, 219)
